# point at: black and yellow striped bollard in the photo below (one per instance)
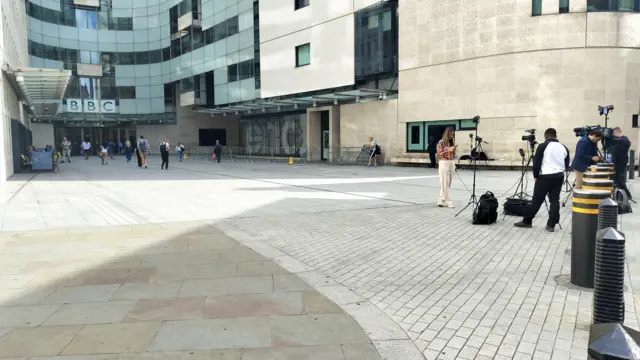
(584, 225)
(596, 176)
(597, 184)
(603, 170)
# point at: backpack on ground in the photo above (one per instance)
(487, 210)
(624, 205)
(142, 146)
(517, 207)
(378, 151)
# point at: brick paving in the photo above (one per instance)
(458, 291)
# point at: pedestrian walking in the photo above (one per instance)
(180, 151)
(104, 153)
(143, 150)
(217, 150)
(85, 147)
(128, 150)
(164, 154)
(66, 149)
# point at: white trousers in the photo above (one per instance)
(446, 168)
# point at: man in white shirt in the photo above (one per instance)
(86, 149)
(66, 149)
(549, 164)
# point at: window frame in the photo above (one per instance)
(564, 9)
(297, 50)
(457, 124)
(536, 7)
(300, 4)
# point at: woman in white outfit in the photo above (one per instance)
(446, 165)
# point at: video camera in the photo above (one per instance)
(607, 133)
(531, 137)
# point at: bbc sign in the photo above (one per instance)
(91, 106)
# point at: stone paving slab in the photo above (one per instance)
(212, 299)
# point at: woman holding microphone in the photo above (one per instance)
(446, 150)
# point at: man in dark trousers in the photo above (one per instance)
(217, 150)
(549, 163)
(432, 151)
(620, 156)
(164, 154)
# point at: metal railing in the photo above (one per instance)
(297, 154)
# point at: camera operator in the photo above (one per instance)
(586, 152)
(620, 155)
(549, 163)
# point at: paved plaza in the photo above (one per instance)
(269, 261)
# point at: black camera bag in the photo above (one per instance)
(517, 207)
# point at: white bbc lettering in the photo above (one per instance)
(108, 106)
(91, 106)
(74, 105)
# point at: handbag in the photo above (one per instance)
(213, 156)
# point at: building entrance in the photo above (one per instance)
(95, 135)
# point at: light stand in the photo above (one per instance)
(478, 148)
(521, 191)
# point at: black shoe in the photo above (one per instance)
(522, 224)
(550, 228)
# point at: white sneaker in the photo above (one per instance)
(450, 205)
(439, 204)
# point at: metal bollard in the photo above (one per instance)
(632, 164)
(590, 184)
(608, 292)
(613, 342)
(584, 225)
(608, 214)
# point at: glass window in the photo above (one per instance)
(85, 56)
(186, 85)
(184, 7)
(67, 16)
(245, 70)
(49, 15)
(73, 90)
(599, 5)
(125, 24)
(374, 21)
(108, 88)
(232, 73)
(299, 4)
(155, 56)
(92, 20)
(88, 88)
(81, 18)
(629, 5)
(198, 41)
(125, 58)
(303, 55)
(186, 43)
(175, 48)
(103, 20)
(166, 54)
(220, 31)
(168, 94)
(232, 26)
(564, 6)
(208, 36)
(95, 57)
(387, 23)
(536, 9)
(142, 57)
(127, 92)
(415, 137)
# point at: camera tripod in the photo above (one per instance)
(568, 188)
(477, 150)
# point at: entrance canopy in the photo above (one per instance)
(41, 89)
(299, 102)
